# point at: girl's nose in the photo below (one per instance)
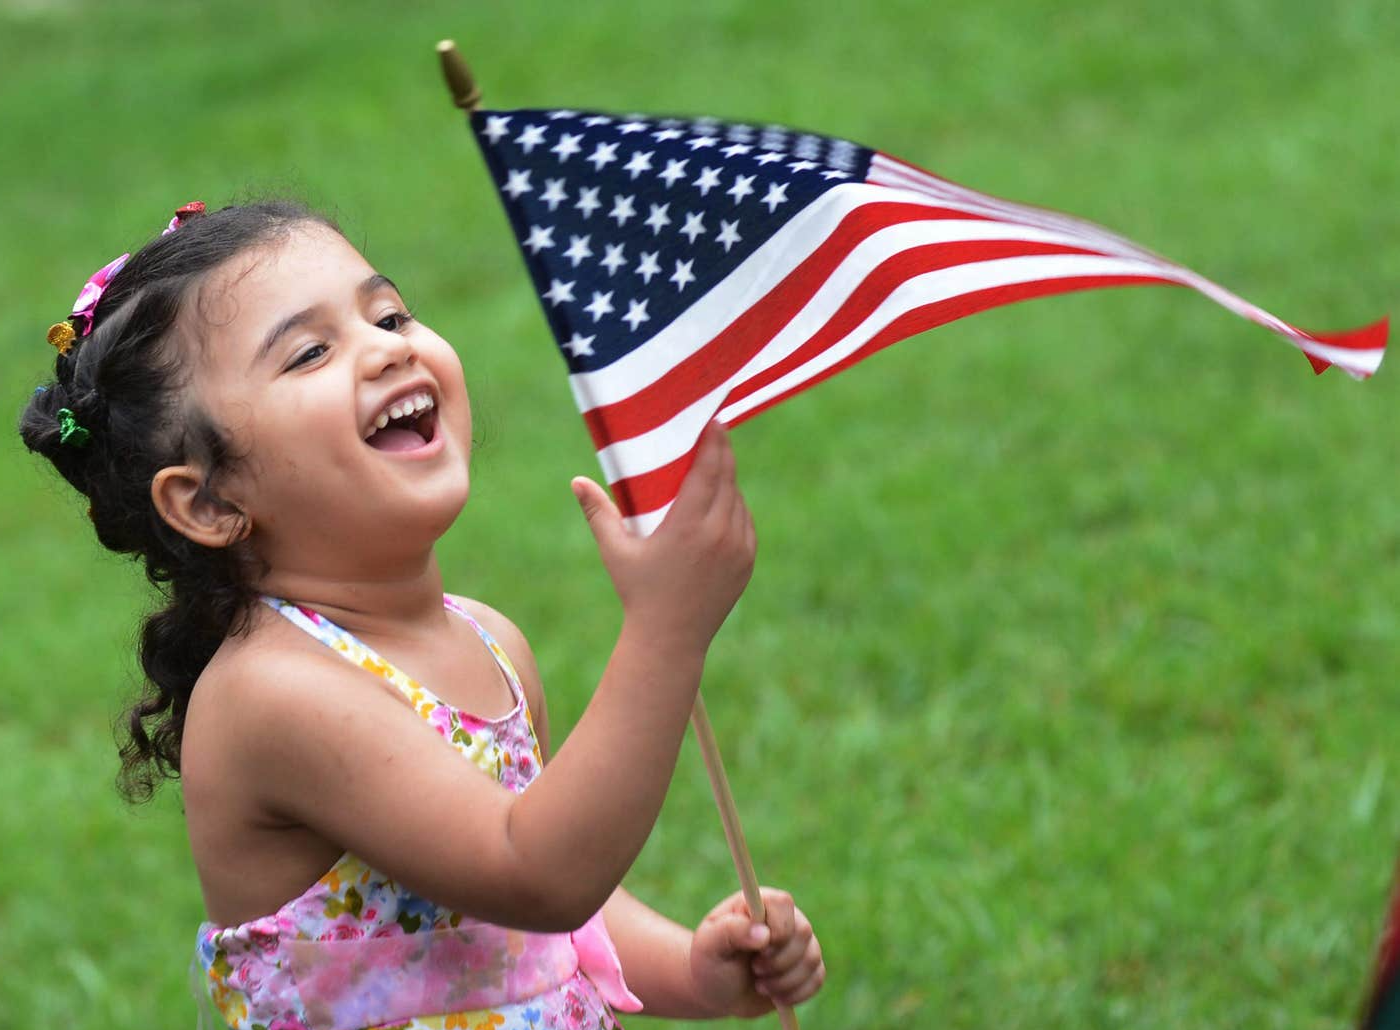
(384, 350)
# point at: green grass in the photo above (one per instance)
(1063, 693)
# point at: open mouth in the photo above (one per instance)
(405, 425)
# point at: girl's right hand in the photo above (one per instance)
(680, 583)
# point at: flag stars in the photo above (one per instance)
(768, 158)
(567, 146)
(728, 234)
(496, 127)
(588, 201)
(674, 170)
(694, 226)
(578, 249)
(517, 182)
(530, 137)
(629, 127)
(605, 154)
(554, 116)
(707, 180)
(623, 209)
(743, 186)
(658, 219)
(553, 194)
(700, 142)
(734, 149)
(580, 346)
(540, 238)
(613, 259)
(662, 135)
(639, 163)
(648, 266)
(802, 166)
(777, 194)
(600, 305)
(560, 292)
(636, 314)
(835, 174)
(595, 120)
(683, 276)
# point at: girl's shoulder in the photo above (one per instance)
(517, 649)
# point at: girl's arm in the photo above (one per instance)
(334, 752)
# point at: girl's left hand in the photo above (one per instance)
(742, 968)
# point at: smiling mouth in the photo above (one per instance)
(405, 425)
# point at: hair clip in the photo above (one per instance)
(194, 207)
(91, 293)
(70, 431)
(62, 335)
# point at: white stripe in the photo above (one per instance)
(666, 443)
(647, 522)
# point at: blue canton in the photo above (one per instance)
(625, 222)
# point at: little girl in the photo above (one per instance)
(249, 408)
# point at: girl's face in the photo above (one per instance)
(350, 422)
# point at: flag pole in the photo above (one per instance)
(467, 95)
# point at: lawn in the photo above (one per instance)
(1062, 695)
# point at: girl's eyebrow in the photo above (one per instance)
(364, 290)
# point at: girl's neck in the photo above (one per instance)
(392, 603)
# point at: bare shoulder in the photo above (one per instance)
(517, 648)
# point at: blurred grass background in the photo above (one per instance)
(1063, 693)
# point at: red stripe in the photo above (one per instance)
(1371, 337)
(709, 368)
(883, 280)
(649, 491)
(930, 316)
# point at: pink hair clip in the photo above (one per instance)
(91, 293)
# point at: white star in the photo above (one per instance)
(682, 276)
(495, 127)
(701, 141)
(553, 194)
(640, 162)
(597, 119)
(709, 179)
(736, 148)
(530, 137)
(648, 267)
(802, 166)
(777, 194)
(605, 154)
(662, 135)
(835, 174)
(554, 116)
(580, 345)
(674, 170)
(614, 259)
(658, 218)
(694, 225)
(743, 186)
(768, 158)
(517, 183)
(627, 128)
(623, 209)
(636, 313)
(601, 305)
(567, 146)
(541, 238)
(559, 292)
(728, 234)
(588, 201)
(578, 249)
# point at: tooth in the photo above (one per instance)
(423, 404)
(381, 421)
(395, 411)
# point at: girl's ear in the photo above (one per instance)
(189, 508)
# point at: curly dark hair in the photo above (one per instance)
(124, 384)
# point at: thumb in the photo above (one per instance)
(604, 520)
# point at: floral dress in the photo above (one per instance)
(357, 951)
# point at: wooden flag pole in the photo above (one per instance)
(467, 95)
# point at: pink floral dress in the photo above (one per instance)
(357, 951)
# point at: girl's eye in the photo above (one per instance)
(392, 323)
(310, 354)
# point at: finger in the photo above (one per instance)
(604, 520)
(702, 479)
(780, 913)
(781, 956)
(783, 983)
(799, 993)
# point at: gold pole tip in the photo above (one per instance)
(460, 83)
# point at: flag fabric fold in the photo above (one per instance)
(693, 269)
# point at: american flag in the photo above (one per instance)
(693, 269)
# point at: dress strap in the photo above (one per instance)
(352, 648)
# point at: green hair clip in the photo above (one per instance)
(71, 432)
